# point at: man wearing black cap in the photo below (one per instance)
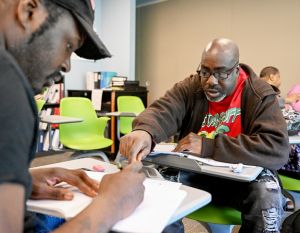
(37, 38)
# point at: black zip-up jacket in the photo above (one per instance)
(263, 142)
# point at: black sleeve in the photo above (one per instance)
(17, 130)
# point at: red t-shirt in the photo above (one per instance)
(225, 116)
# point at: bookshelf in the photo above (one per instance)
(52, 95)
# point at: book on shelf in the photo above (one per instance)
(92, 80)
(101, 79)
(52, 95)
(105, 78)
(118, 81)
(161, 200)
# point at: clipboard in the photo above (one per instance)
(187, 163)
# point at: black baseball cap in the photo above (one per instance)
(82, 11)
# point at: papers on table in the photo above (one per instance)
(187, 161)
(167, 148)
(164, 147)
(161, 200)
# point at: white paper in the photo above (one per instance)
(97, 98)
(164, 147)
(153, 214)
(161, 200)
(90, 81)
(167, 148)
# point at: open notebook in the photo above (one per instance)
(161, 200)
(163, 155)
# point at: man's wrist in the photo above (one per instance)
(153, 143)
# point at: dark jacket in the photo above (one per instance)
(263, 142)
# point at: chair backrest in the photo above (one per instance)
(128, 104)
(81, 108)
(40, 103)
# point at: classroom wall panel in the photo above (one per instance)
(171, 35)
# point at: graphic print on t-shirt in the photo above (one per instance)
(220, 123)
(225, 116)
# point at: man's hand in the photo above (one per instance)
(123, 191)
(45, 179)
(135, 145)
(192, 142)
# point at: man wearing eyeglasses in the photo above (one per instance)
(226, 113)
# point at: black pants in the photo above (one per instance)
(176, 227)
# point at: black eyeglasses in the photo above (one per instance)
(219, 75)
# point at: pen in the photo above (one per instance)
(190, 153)
(87, 169)
(119, 165)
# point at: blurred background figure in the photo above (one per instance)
(272, 76)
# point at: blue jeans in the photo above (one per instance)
(260, 201)
(47, 223)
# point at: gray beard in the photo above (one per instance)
(219, 99)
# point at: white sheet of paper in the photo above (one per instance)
(164, 147)
(161, 200)
(152, 215)
(97, 98)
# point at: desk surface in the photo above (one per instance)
(294, 139)
(194, 199)
(247, 174)
(57, 119)
(119, 114)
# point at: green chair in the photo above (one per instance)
(220, 219)
(87, 135)
(228, 216)
(40, 103)
(128, 104)
(289, 183)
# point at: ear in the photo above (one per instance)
(31, 14)
(272, 77)
(237, 70)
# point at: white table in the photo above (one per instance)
(194, 200)
(57, 119)
(294, 139)
(118, 115)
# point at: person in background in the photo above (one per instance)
(226, 113)
(271, 75)
(37, 38)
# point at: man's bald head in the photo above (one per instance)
(222, 49)
(219, 69)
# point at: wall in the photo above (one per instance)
(115, 24)
(171, 36)
(118, 31)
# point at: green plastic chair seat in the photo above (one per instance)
(217, 215)
(126, 125)
(229, 216)
(39, 103)
(85, 135)
(289, 183)
(91, 143)
(128, 104)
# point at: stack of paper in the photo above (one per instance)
(161, 200)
